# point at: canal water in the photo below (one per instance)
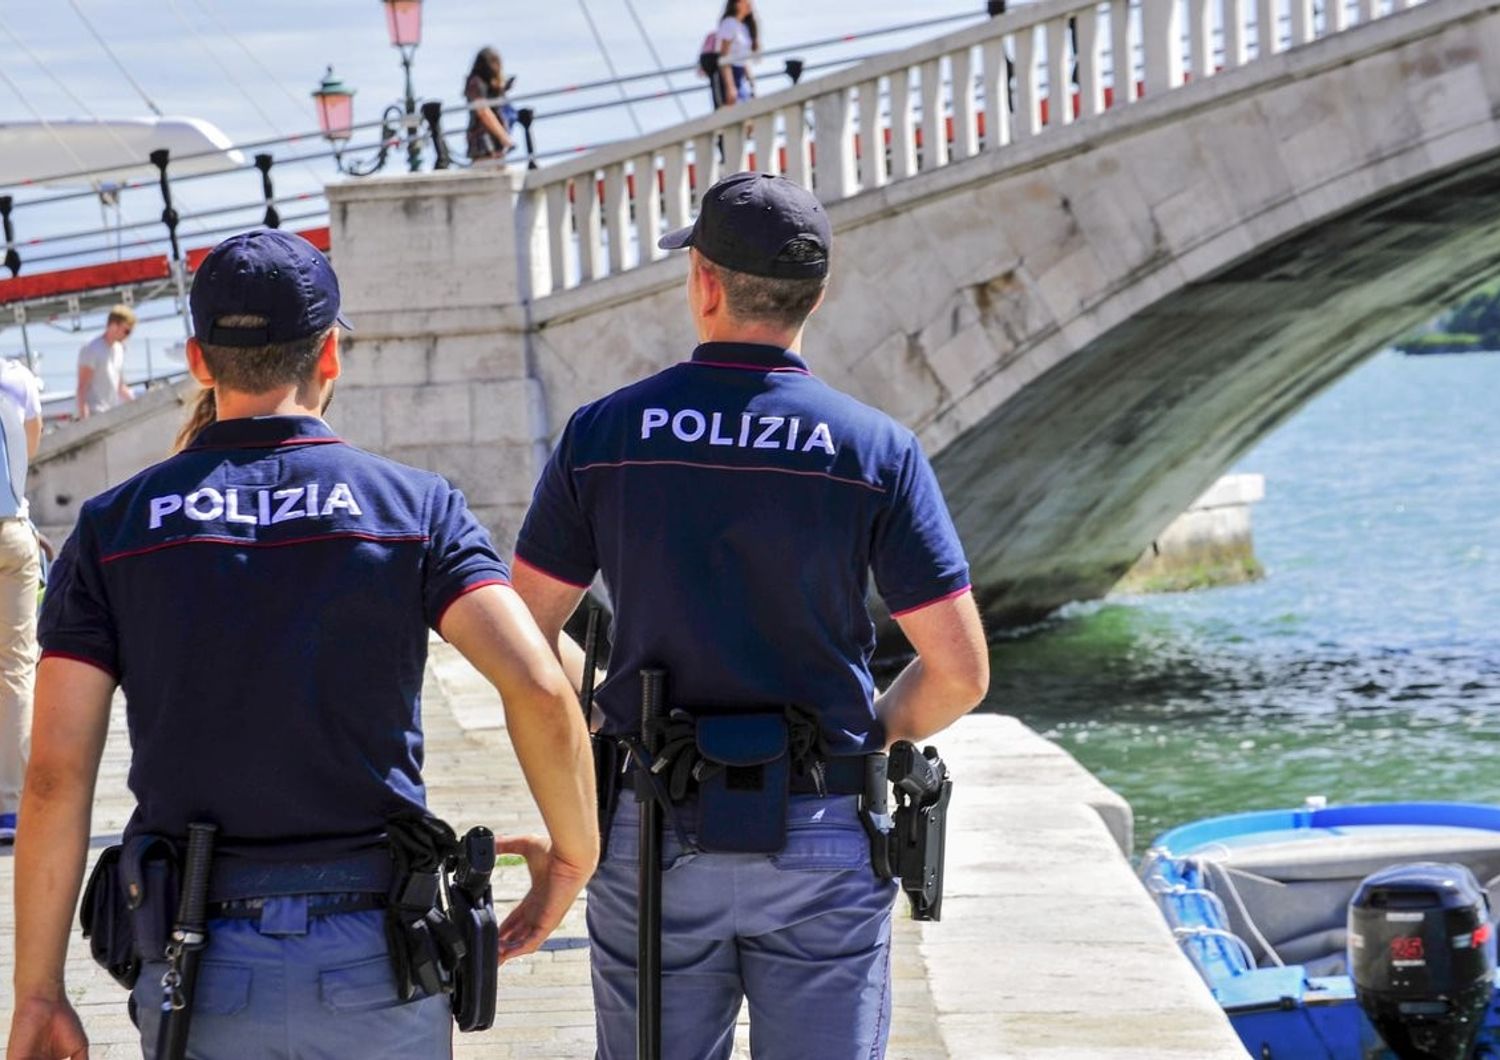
(1365, 666)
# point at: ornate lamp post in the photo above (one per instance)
(403, 21)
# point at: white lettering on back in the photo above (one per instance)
(215, 504)
(652, 419)
(161, 507)
(699, 425)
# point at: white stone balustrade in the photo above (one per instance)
(1009, 78)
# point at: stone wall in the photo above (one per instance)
(1209, 544)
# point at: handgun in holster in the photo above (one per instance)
(471, 907)
(914, 846)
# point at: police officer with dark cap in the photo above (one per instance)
(735, 505)
(264, 599)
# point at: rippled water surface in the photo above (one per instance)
(1365, 666)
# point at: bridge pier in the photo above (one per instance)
(437, 371)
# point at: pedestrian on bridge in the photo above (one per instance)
(264, 598)
(101, 365)
(735, 506)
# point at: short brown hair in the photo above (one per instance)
(121, 314)
(257, 369)
(780, 303)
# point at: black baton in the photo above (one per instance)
(590, 661)
(648, 902)
(189, 938)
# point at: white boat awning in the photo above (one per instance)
(100, 154)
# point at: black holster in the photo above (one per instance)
(471, 905)
(915, 846)
(609, 763)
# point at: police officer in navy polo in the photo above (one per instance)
(736, 505)
(264, 598)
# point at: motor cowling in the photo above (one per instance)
(1422, 957)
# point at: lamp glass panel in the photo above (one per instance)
(336, 114)
(403, 21)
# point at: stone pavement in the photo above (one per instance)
(1048, 950)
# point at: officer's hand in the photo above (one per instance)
(555, 883)
(46, 1030)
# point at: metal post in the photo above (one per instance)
(159, 158)
(525, 116)
(794, 68)
(432, 114)
(263, 163)
(995, 7)
(413, 148)
(12, 256)
(648, 899)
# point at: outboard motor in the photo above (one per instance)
(1422, 957)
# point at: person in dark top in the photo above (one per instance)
(489, 125)
(263, 598)
(736, 506)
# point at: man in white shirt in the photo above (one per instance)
(20, 572)
(101, 365)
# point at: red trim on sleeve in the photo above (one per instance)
(70, 656)
(917, 607)
(465, 591)
(524, 562)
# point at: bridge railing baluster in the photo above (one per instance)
(903, 138)
(616, 215)
(870, 137)
(1161, 35)
(674, 169)
(647, 204)
(587, 215)
(798, 144)
(1201, 37)
(996, 88)
(1028, 105)
(1121, 53)
(833, 160)
(1090, 78)
(1265, 28)
(1059, 74)
(934, 127)
(1235, 41)
(965, 129)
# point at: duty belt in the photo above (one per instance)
(840, 775)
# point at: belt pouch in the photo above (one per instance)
(148, 874)
(105, 919)
(744, 784)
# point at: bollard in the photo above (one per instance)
(263, 163)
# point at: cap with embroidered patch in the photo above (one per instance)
(266, 273)
(748, 221)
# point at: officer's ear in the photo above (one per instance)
(197, 365)
(709, 291)
(330, 366)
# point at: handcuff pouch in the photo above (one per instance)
(744, 782)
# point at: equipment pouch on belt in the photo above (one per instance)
(743, 782)
(471, 905)
(424, 944)
(105, 919)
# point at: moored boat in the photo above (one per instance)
(1342, 932)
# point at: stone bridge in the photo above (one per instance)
(1090, 252)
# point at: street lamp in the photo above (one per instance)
(403, 22)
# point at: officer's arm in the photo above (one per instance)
(949, 676)
(71, 719)
(493, 630)
(552, 603)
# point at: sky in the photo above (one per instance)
(249, 66)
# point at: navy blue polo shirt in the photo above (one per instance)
(736, 506)
(263, 598)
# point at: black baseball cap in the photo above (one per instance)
(746, 222)
(267, 273)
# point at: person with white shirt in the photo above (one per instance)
(101, 365)
(20, 572)
(739, 40)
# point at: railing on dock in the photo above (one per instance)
(1016, 76)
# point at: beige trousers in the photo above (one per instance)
(20, 572)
